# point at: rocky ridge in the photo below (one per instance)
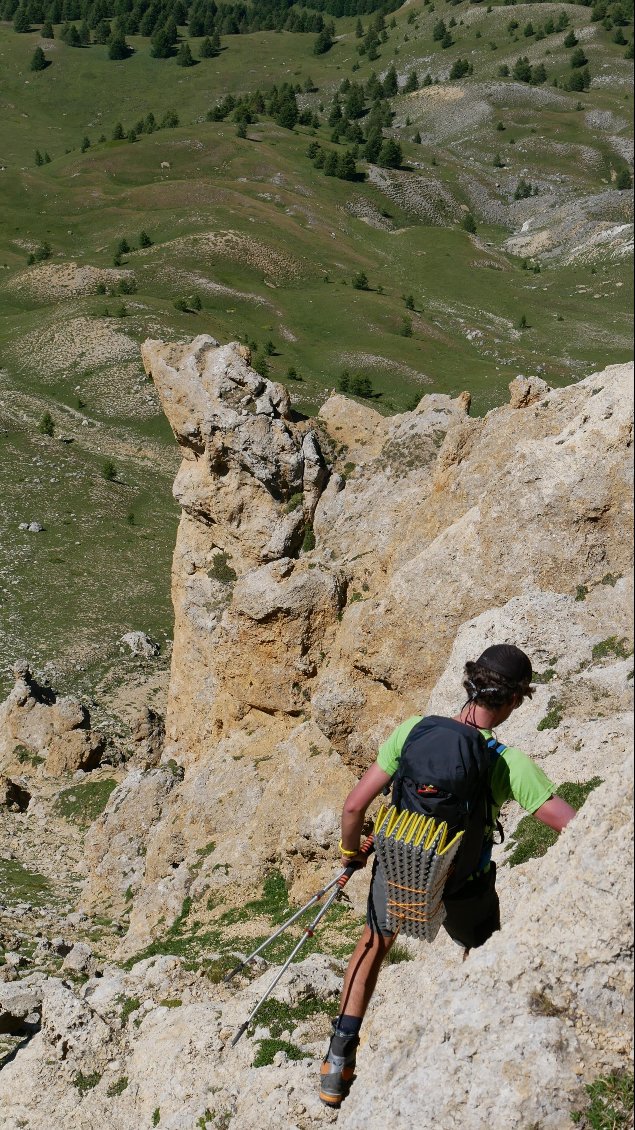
(329, 579)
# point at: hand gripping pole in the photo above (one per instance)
(338, 883)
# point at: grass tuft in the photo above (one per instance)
(620, 648)
(267, 1049)
(83, 803)
(553, 717)
(533, 839)
(611, 1103)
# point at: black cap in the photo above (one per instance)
(509, 661)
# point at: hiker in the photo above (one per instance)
(496, 684)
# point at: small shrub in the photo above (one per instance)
(144, 239)
(308, 542)
(86, 1083)
(41, 253)
(260, 365)
(468, 223)
(39, 61)
(581, 592)
(221, 570)
(156, 1116)
(610, 579)
(128, 1006)
(360, 281)
(118, 1087)
(25, 757)
(46, 426)
(109, 471)
(544, 676)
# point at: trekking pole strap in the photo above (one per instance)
(367, 848)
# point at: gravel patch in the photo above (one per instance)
(578, 228)
(424, 197)
(79, 343)
(366, 211)
(605, 120)
(64, 280)
(374, 361)
(210, 246)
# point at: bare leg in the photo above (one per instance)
(363, 971)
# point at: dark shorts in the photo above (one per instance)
(473, 913)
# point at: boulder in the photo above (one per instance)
(20, 1008)
(140, 644)
(38, 727)
(14, 795)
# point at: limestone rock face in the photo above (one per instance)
(288, 659)
(531, 497)
(116, 843)
(37, 726)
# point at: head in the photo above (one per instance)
(499, 680)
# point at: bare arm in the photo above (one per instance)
(356, 803)
(555, 813)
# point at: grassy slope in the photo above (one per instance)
(285, 274)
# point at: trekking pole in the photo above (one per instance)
(348, 871)
(339, 883)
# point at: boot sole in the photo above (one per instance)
(348, 1076)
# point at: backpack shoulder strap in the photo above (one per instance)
(495, 748)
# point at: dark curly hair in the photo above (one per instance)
(503, 672)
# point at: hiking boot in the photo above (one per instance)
(338, 1067)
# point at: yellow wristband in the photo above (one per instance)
(345, 852)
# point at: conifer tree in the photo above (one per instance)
(21, 21)
(38, 60)
(118, 48)
(390, 83)
(390, 154)
(184, 55)
(207, 49)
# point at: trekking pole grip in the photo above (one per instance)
(367, 847)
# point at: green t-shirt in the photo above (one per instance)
(515, 775)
